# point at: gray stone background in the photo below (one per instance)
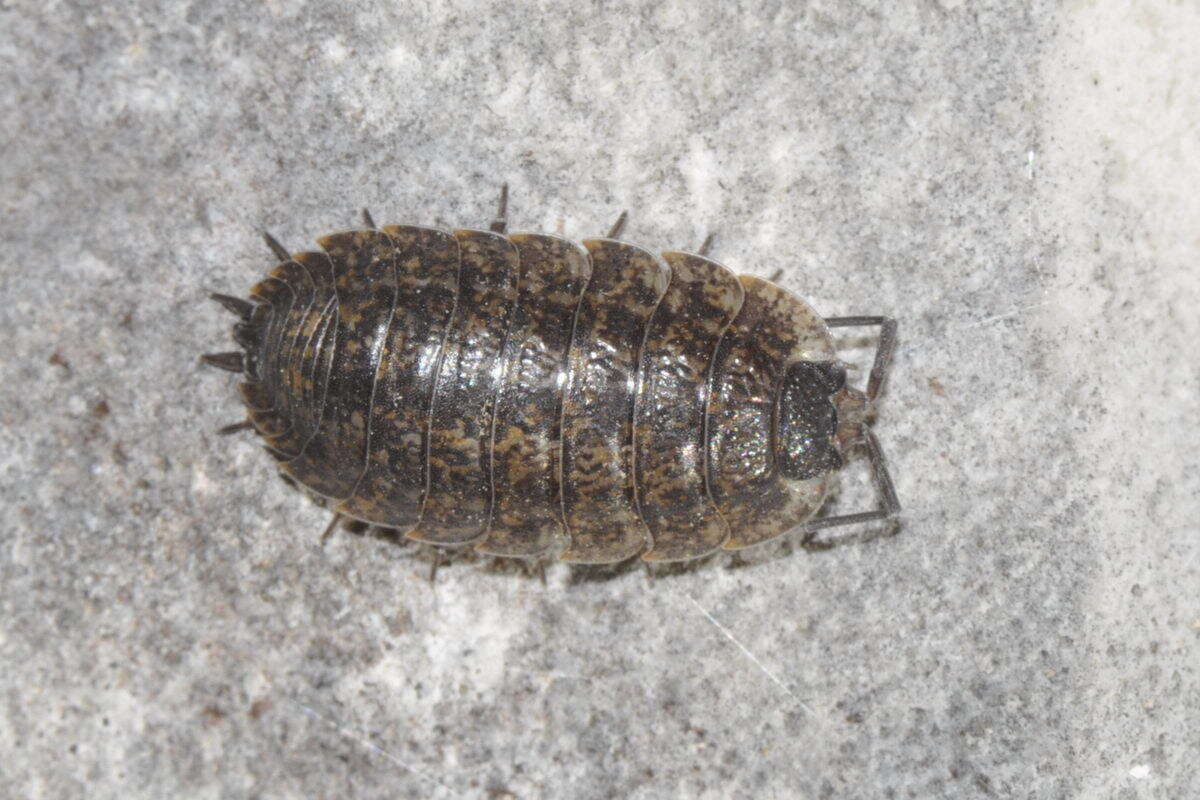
(1017, 183)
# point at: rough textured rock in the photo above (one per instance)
(1015, 182)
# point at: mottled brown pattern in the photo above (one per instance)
(302, 367)
(700, 302)
(773, 329)
(264, 398)
(391, 490)
(319, 352)
(598, 402)
(335, 456)
(276, 297)
(260, 409)
(458, 460)
(279, 364)
(521, 392)
(527, 509)
(255, 396)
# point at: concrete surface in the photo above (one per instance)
(1015, 182)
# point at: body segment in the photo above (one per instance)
(365, 286)
(392, 489)
(772, 331)
(669, 431)
(599, 500)
(526, 447)
(458, 459)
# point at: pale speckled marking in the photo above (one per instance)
(324, 347)
(599, 505)
(682, 336)
(335, 456)
(291, 440)
(773, 330)
(308, 342)
(458, 502)
(527, 514)
(276, 296)
(391, 490)
(259, 392)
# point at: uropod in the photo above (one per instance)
(529, 396)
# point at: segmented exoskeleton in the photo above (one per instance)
(528, 395)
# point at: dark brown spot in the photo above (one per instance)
(259, 707)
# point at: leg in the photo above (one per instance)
(528, 567)
(370, 223)
(707, 245)
(883, 354)
(619, 225)
(330, 528)
(889, 503)
(500, 223)
(433, 567)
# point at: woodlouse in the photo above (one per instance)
(512, 392)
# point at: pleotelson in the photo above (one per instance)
(524, 393)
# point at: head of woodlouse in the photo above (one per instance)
(807, 419)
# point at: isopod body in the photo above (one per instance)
(527, 395)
